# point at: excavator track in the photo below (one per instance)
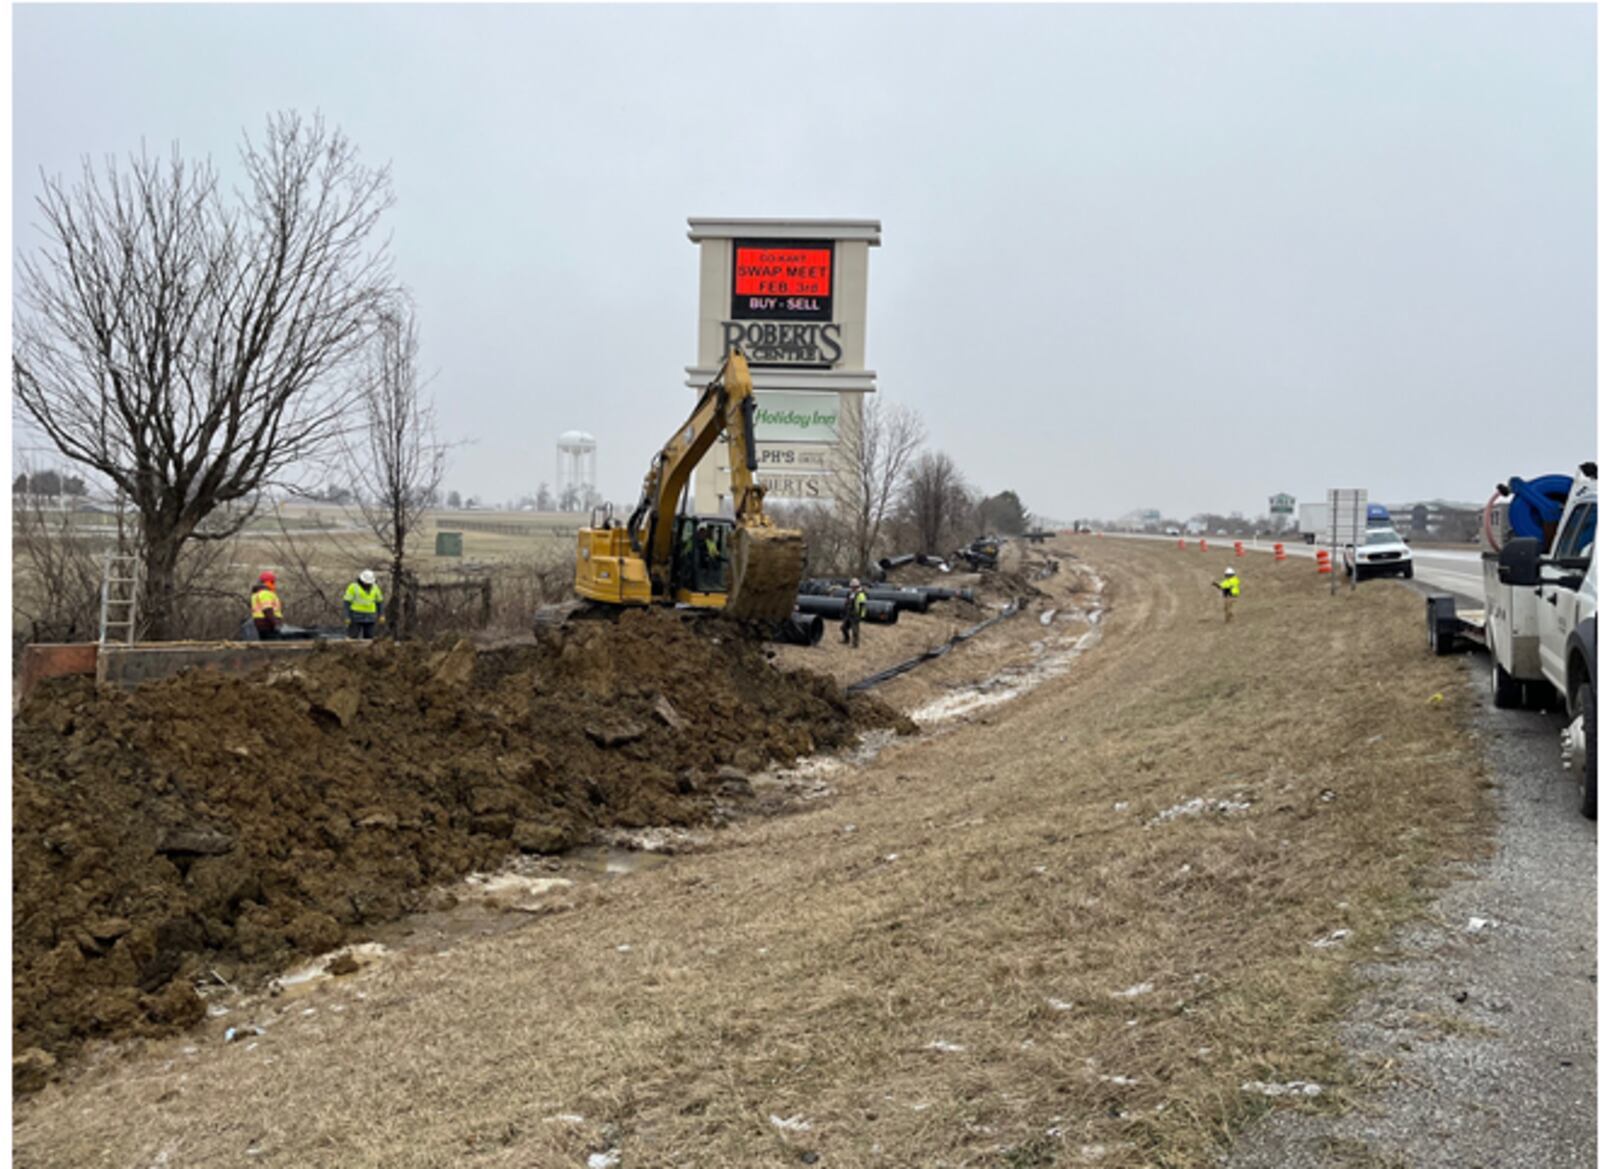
(765, 566)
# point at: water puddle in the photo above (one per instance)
(608, 860)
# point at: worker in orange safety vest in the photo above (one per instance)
(266, 610)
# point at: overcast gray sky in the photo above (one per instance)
(1178, 257)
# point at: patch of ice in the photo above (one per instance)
(564, 1118)
(1196, 806)
(795, 1123)
(624, 948)
(516, 883)
(945, 1045)
(1134, 991)
(1329, 940)
(1304, 1088)
(1120, 1081)
(1120, 806)
(317, 968)
(1476, 925)
(606, 1160)
(1058, 1004)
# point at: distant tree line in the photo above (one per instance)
(49, 485)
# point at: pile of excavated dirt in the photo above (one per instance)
(211, 825)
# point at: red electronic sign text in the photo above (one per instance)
(782, 271)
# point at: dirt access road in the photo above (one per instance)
(1110, 921)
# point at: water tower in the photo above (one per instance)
(575, 471)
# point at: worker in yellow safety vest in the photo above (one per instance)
(266, 610)
(1229, 585)
(363, 606)
(855, 612)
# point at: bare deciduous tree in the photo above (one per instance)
(55, 575)
(192, 348)
(870, 465)
(936, 502)
(397, 460)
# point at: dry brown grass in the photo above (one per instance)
(794, 970)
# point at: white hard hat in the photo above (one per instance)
(855, 583)
(368, 577)
(1229, 572)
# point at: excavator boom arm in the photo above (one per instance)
(765, 561)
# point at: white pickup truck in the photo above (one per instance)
(1538, 624)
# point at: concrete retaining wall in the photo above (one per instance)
(129, 665)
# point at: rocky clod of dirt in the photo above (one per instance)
(210, 824)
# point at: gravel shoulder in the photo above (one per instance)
(1478, 1022)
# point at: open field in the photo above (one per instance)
(333, 539)
(315, 550)
(1096, 923)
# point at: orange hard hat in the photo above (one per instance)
(269, 578)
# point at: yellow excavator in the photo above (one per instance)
(744, 565)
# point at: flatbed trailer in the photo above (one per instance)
(1507, 626)
(1450, 628)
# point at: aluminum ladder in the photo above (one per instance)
(119, 598)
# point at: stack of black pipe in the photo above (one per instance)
(827, 596)
(878, 612)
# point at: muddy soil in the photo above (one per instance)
(217, 827)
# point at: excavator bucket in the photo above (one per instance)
(764, 573)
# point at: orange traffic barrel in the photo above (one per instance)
(1181, 544)
(1278, 552)
(1238, 547)
(1202, 545)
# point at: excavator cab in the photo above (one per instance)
(700, 559)
(744, 564)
